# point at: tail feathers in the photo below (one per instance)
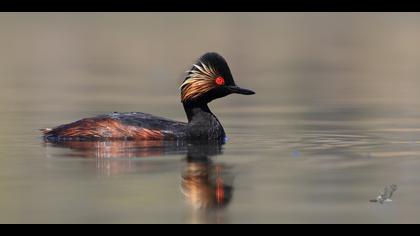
(46, 130)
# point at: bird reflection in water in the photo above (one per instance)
(205, 184)
(122, 149)
(119, 157)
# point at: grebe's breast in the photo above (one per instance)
(119, 126)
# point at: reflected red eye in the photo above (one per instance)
(220, 81)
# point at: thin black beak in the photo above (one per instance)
(236, 89)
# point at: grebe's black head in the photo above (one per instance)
(209, 78)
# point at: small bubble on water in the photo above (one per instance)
(295, 153)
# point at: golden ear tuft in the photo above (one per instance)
(200, 79)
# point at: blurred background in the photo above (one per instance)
(335, 119)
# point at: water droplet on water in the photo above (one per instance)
(295, 153)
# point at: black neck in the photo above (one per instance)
(194, 109)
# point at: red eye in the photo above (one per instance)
(220, 81)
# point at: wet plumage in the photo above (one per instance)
(119, 126)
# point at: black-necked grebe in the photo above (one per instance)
(209, 78)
